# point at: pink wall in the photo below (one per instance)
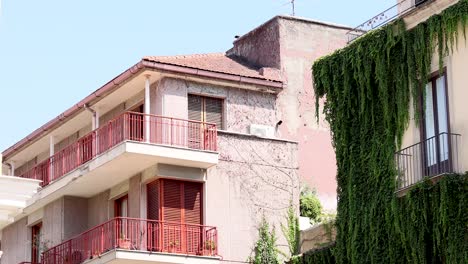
(255, 177)
(300, 42)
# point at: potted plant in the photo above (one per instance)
(123, 242)
(172, 245)
(210, 246)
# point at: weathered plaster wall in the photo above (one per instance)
(75, 216)
(16, 242)
(134, 194)
(241, 107)
(302, 42)
(254, 177)
(98, 209)
(266, 36)
(52, 222)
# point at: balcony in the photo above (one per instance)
(430, 158)
(385, 17)
(131, 127)
(131, 240)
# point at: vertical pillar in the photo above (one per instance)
(51, 153)
(96, 119)
(147, 108)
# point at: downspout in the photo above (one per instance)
(94, 124)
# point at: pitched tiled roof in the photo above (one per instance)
(215, 62)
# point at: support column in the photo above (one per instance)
(147, 108)
(51, 153)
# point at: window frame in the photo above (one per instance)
(203, 108)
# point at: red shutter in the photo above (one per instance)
(172, 206)
(175, 202)
(152, 194)
(193, 215)
(172, 215)
(192, 202)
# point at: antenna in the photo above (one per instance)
(293, 7)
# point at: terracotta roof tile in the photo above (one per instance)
(216, 62)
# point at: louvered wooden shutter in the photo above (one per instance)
(152, 194)
(194, 107)
(192, 203)
(172, 202)
(214, 111)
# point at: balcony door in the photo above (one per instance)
(176, 207)
(136, 124)
(435, 132)
(36, 243)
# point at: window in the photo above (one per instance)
(435, 127)
(206, 109)
(36, 243)
(177, 205)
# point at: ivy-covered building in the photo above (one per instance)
(396, 104)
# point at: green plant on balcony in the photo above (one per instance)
(172, 245)
(123, 242)
(210, 245)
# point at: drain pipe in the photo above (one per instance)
(95, 120)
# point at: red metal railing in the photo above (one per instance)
(128, 126)
(135, 234)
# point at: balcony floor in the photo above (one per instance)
(119, 256)
(116, 165)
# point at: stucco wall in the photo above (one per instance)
(254, 177)
(98, 209)
(16, 242)
(52, 222)
(75, 217)
(303, 42)
(241, 107)
(134, 194)
(300, 42)
(266, 36)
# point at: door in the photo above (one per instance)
(136, 124)
(124, 229)
(435, 131)
(177, 208)
(36, 245)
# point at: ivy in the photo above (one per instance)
(430, 224)
(368, 87)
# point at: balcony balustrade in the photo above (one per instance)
(130, 234)
(129, 126)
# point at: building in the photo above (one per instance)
(436, 147)
(398, 118)
(179, 156)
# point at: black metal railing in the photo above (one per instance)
(384, 17)
(434, 156)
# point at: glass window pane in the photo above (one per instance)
(430, 126)
(442, 117)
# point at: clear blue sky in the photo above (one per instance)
(54, 52)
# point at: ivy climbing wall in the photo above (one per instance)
(369, 86)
